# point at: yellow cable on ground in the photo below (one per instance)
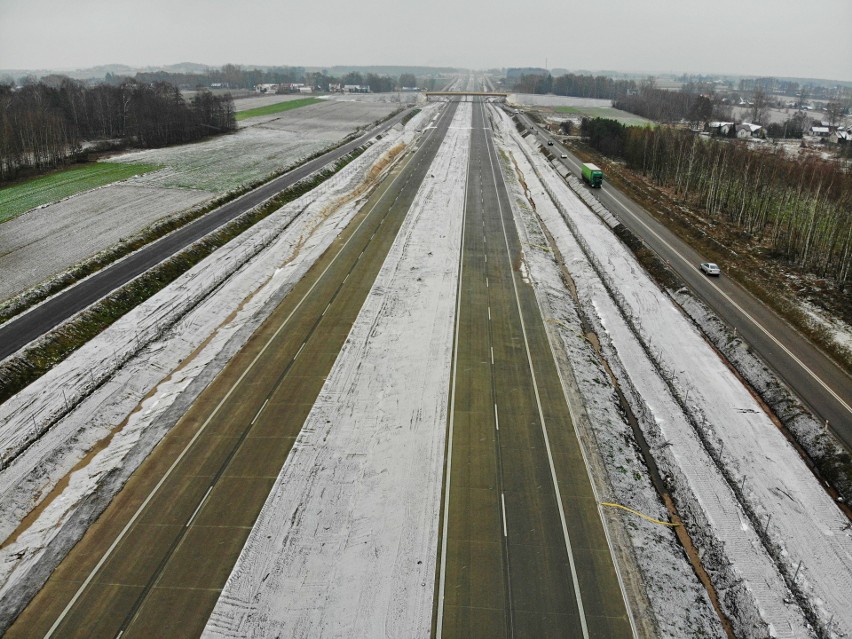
(636, 512)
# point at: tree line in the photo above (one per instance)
(666, 106)
(800, 207)
(570, 84)
(42, 127)
(230, 75)
(236, 77)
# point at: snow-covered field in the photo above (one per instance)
(346, 543)
(47, 241)
(534, 100)
(764, 524)
(134, 381)
(260, 147)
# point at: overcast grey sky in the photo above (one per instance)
(745, 37)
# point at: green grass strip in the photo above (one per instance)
(20, 198)
(279, 107)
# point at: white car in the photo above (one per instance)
(564, 156)
(710, 268)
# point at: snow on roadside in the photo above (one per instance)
(138, 376)
(668, 595)
(762, 509)
(346, 543)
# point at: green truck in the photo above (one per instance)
(593, 175)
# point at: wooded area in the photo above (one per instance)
(799, 207)
(42, 127)
(580, 86)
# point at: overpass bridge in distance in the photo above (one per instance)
(461, 95)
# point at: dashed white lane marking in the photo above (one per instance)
(260, 410)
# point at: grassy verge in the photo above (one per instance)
(21, 370)
(775, 284)
(20, 198)
(279, 107)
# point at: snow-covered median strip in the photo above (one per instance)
(759, 506)
(346, 543)
(130, 384)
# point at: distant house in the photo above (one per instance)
(841, 136)
(749, 130)
(744, 130)
(719, 128)
(266, 88)
(356, 88)
(820, 131)
(305, 89)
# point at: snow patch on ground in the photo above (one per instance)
(105, 383)
(839, 331)
(346, 543)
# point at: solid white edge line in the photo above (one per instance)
(449, 464)
(598, 499)
(203, 427)
(574, 578)
(745, 313)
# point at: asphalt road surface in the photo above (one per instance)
(154, 563)
(816, 379)
(523, 549)
(20, 331)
